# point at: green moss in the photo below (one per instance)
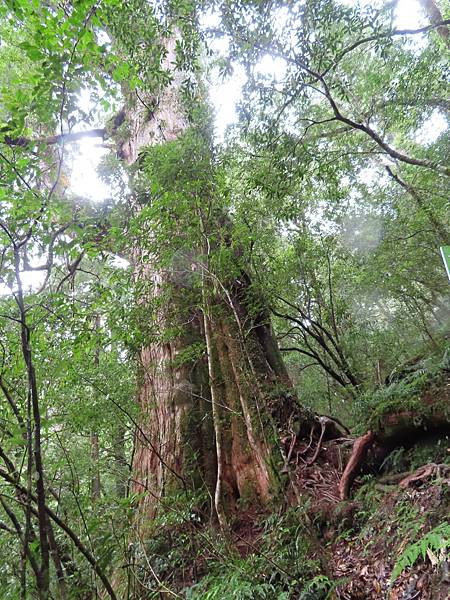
(404, 394)
(248, 495)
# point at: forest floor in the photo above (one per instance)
(360, 542)
(387, 525)
(389, 540)
(367, 558)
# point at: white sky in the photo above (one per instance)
(408, 12)
(84, 180)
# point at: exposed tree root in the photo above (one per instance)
(323, 427)
(359, 453)
(330, 429)
(311, 436)
(289, 455)
(404, 428)
(424, 473)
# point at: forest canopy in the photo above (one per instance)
(203, 344)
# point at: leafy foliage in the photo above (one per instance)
(435, 541)
(405, 392)
(280, 567)
(327, 195)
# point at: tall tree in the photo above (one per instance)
(215, 396)
(212, 241)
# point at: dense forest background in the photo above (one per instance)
(195, 367)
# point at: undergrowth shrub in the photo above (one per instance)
(280, 568)
(429, 449)
(174, 549)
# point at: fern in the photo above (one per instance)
(319, 587)
(436, 541)
(231, 586)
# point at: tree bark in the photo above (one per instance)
(433, 13)
(213, 423)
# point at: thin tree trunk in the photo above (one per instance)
(95, 454)
(95, 443)
(120, 462)
(34, 442)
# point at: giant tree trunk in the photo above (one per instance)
(215, 421)
(433, 13)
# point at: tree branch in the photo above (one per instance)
(67, 530)
(444, 235)
(419, 162)
(380, 36)
(56, 139)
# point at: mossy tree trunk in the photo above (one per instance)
(216, 401)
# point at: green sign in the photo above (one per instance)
(445, 251)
